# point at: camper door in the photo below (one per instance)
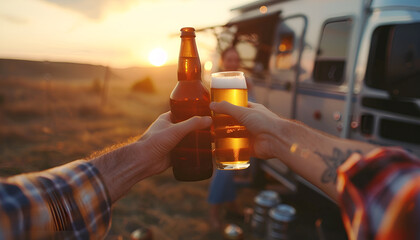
(285, 65)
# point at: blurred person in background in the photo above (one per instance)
(224, 183)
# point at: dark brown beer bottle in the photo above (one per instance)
(192, 157)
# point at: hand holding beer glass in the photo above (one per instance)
(231, 142)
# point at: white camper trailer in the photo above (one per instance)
(348, 68)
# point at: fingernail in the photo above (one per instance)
(208, 119)
(212, 105)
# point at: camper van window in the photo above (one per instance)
(394, 60)
(332, 52)
(253, 40)
(284, 52)
(286, 66)
(247, 48)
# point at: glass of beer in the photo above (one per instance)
(231, 142)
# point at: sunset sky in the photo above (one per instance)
(118, 33)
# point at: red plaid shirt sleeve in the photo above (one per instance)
(66, 202)
(380, 195)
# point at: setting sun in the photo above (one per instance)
(158, 57)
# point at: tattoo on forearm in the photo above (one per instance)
(333, 162)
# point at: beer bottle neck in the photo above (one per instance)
(189, 66)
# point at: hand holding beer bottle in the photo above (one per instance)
(192, 157)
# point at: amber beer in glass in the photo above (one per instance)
(192, 157)
(231, 142)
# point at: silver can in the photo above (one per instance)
(264, 201)
(281, 218)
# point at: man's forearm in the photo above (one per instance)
(315, 155)
(122, 168)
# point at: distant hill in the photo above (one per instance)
(40, 69)
(163, 77)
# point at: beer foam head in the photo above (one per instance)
(228, 80)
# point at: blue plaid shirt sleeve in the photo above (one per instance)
(66, 202)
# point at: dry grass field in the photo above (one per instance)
(46, 122)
